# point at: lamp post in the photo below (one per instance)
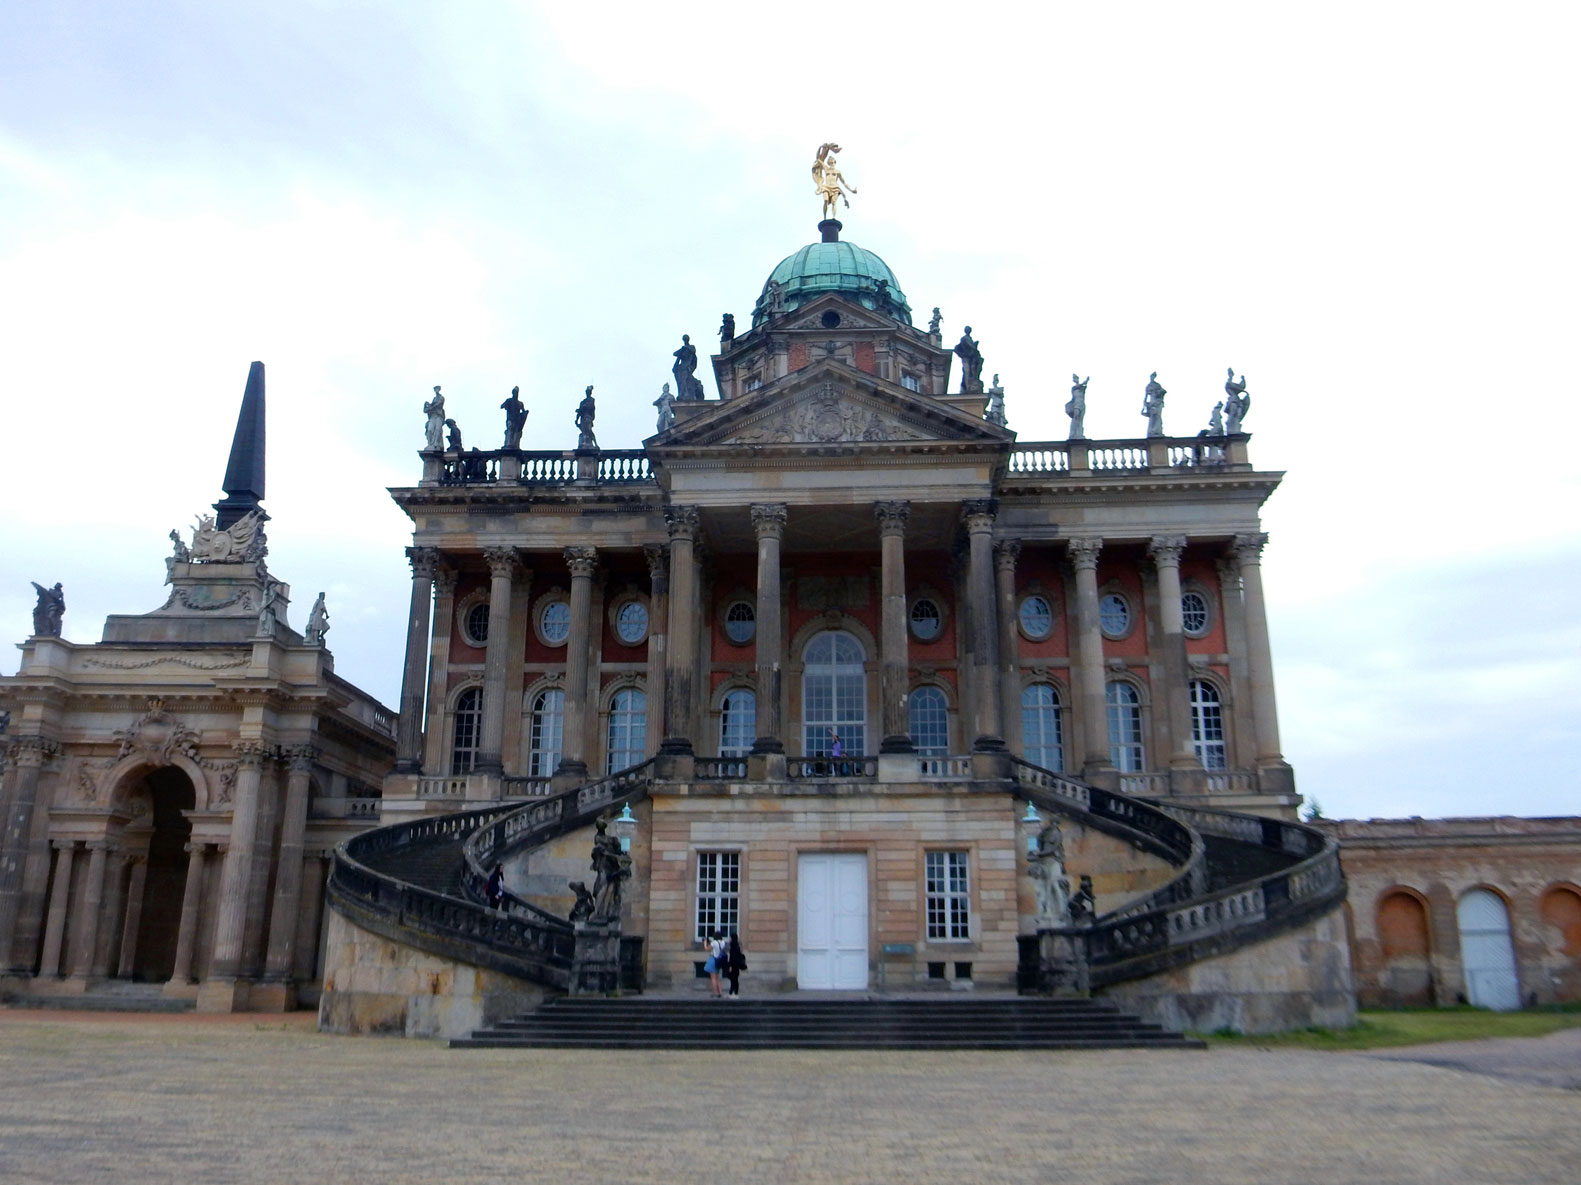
(1031, 825)
(624, 826)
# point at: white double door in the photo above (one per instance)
(831, 926)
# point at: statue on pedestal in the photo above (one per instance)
(666, 405)
(1050, 884)
(1237, 404)
(971, 363)
(1076, 409)
(933, 323)
(1216, 420)
(776, 295)
(688, 388)
(317, 623)
(727, 331)
(612, 866)
(995, 414)
(515, 419)
(434, 409)
(828, 182)
(49, 611)
(1153, 405)
(266, 611)
(584, 421)
(455, 436)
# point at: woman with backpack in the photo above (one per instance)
(716, 961)
(735, 964)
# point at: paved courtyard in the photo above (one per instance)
(255, 1099)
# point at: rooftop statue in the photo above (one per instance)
(243, 540)
(831, 186)
(1153, 405)
(666, 405)
(515, 419)
(688, 388)
(455, 436)
(995, 414)
(267, 612)
(1216, 420)
(776, 292)
(727, 330)
(1076, 409)
(584, 421)
(933, 323)
(317, 623)
(434, 409)
(49, 611)
(971, 363)
(1238, 403)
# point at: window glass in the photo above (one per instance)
(1114, 615)
(631, 622)
(548, 727)
(1037, 617)
(738, 723)
(1207, 724)
(948, 896)
(926, 620)
(1194, 613)
(1042, 742)
(741, 622)
(929, 722)
(834, 696)
(476, 624)
(718, 893)
(628, 728)
(1125, 727)
(469, 724)
(555, 623)
(910, 381)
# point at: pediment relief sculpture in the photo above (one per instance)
(827, 417)
(243, 541)
(159, 735)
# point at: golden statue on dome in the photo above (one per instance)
(830, 185)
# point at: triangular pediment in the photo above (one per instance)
(810, 316)
(829, 403)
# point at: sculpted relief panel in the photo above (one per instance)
(826, 418)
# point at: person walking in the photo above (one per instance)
(495, 889)
(735, 964)
(716, 962)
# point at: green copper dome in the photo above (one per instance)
(834, 267)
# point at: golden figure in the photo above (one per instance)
(830, 185)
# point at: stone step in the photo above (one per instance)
(101, 1001)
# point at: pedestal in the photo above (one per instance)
(595, 960)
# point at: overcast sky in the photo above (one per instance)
(1368, 209)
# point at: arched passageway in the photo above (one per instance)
(170, 793)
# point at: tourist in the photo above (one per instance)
(716, 962)
(735, 964)
(495, 889)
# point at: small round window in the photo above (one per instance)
(830, 319)
(476, 624)
(555, 622)
(631, 622)
(926, 620)
(1194, 613)
(1114, 615)
(741, 622)
(1037, 617)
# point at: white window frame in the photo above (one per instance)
(466, 731)
(1021, 618)
(543, 611)
(725, 621)
(932, 692)
(947, 895)
(626, 732)
(844, 679)
(1128, 754)
(1033, 739)
(740, 744)
(1207, 725)
(1207, 613)
(718, 901)
(542, 758)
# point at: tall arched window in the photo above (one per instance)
(1042, 738)
(738, 722)
(469, 726)
(628, 728)
(1487, 956)
(928, 717)
(834, 695)
(548, 729)
(1207, 724)
(1125, 727)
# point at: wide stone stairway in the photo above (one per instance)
(799, 1023)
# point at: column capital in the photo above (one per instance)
(1006, 553)
(63, 845)
(768, 519)
(978, 514)
(1166, 549)
(253, 754)
(501, 561)
(892, 517)
(658, 557)
(581, 560)
(97, 845)
(424, 561)
(1083, 551)
(31, 750)
(1249, 548)
(301, 757)
(1229, 569)
(444, 580)
(681, 522)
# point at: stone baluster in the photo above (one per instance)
(1088, 671)
(236, 877)
(1165, 551)
(979, 517)
(27, 755)
(191, 906)
(894, 655)
(288, 869)
(127, 964)
(573, 760)
(409, 740)
(502, 571)
(1273, 772)
(1005, 555)
(768, 521)
(658, 558)
(55, 920)
(90, 903)
(680, 676)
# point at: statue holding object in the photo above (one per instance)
(1076, 409)
(317, 623)
(584, 421)
(1237, 404)
(995, 413)
(688, 388)
(1153, 405)
(828, 182)
(1050, 884)
(434, 409)
(971, 357)
(49, 611)
(612, 867)
(666, 405)
(515, 419)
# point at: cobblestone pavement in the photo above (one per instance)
(254, 1099)
(1554, 1060)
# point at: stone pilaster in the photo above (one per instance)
(680, 675)
(1243, 730)
(126, 966)
(191, 906)
(573, 760)
(497, 657)
(894, 655)
(315, 869)
(223, 991)
(288, 883)
(1273, 773)
(55, 920)
(1005, 555)
(768, 521)
(658, 558)
(90, 904)
(1087, 673)
(435, 759)
(409, 738)
(27, 754)
(1165, 552)
(117, 870)
(978, 514)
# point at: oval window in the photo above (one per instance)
(631, 622)
(1037, 617)
(555, 622)
(741, 622)
(1194, 613)
(476, 624)
(926, 620)
(1114, 615)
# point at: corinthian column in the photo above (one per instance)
(581, 561)
(1165, 551)
(230, 928)
(55, 922)
(1005, 556)
(979, 516)
(1087, 675)
(893, 655)
(409, 740)
(768, 520)
(28, 754)
(1274, 773)
(658, 558)
(435, 759)
(85, 926)
(288, 871)
(502, 569)
(680, 676)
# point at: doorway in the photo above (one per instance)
(171, 794)
(1486, 953)
(831, 921)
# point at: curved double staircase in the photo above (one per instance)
(1239, 880)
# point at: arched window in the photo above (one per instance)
(738, 722)
(1125, 727)
(1042, 738)
(834, 695)
(468, 728)
(548, 729)
(1486, 955)
(1207, 724)
(628, 728)
(929, 721)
